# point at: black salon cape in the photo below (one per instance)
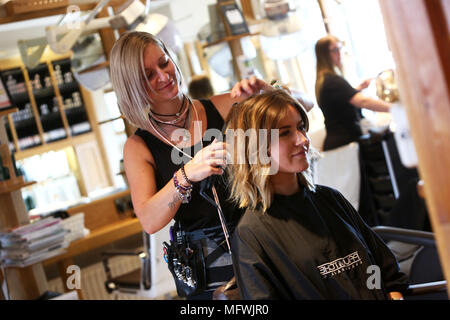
(281, 254)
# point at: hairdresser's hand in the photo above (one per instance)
(304, 100)
(365, 84)
(208, 161)
(247, 87)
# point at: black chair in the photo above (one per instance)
(388, 187)
(417, 255)
(132, 282)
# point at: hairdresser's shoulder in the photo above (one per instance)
(135, 146)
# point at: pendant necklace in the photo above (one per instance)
(168, 140)
(187, 119)
(179, 114)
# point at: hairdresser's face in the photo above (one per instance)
(335, 52)
(293, 144)
(160, 73)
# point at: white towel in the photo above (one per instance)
(339, 169)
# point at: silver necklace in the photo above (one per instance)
(168, 141)
(179, 114)
(186, 134)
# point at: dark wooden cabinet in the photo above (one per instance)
(49, 102)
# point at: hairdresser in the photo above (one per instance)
(168, 156)
(340, 103)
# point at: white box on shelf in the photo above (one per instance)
(74, 225)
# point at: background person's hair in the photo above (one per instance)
(128, 75)
(249, 182)
(324, 64)
(200, 87)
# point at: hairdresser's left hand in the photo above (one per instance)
(364, 85)
(247, 87)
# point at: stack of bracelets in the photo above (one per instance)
(183, 192)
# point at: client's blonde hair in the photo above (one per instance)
(249, 182)
(128, 75)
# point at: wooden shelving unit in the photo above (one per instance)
(68, 142)
(51, 112)
(23, 283)
(232, 38)
(49, 103)
(6, 111)
(14, 182)
(30, 282)
(228, 39)
(15, 186)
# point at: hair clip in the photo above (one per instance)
(276, 84)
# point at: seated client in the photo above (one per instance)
(296, 240)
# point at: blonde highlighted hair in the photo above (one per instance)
(250, 185)
(128, 75)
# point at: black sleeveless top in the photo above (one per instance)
(198, 213)
(342, 119)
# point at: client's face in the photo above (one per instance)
(289, 152)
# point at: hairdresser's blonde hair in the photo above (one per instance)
(250, 185)
(128, 75)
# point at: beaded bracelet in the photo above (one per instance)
(183, 192)
(185, 176)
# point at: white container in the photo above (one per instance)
(74, 226)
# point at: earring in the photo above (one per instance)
(306, 146)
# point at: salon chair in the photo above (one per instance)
(134, 281)
(417, 255)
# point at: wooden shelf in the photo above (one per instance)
(29, 282)
(51, 146)
(228, 39)
(7, 111)
(15, 186)
(110, 120)
(20, 10)
(39, 123)
(100, 237)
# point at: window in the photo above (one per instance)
(56, 185)
(360, 25)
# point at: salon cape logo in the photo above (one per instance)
(339, 265)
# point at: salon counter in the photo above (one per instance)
(109, 218)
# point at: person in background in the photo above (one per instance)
(340, 103)
(200, 87)
(170, 125)
(297, 240)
